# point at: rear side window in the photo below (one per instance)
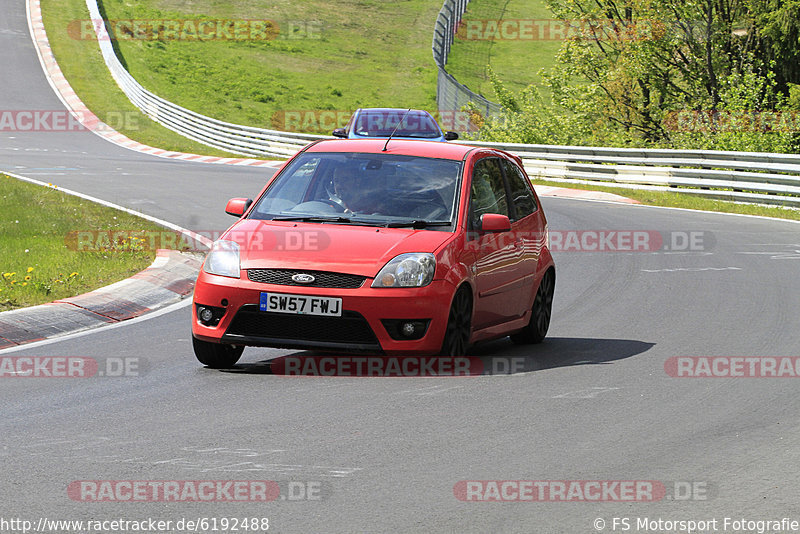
(521, 195)
(488, 193)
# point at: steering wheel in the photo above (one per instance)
(335, 203)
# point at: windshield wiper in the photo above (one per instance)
(417, 224)
(323, 219)
(314, 218)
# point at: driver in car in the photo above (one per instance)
(358, 194)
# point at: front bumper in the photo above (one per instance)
(361, 328)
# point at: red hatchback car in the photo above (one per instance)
(384, 247)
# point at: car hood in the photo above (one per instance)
(360, 250)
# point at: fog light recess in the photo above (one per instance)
(406, 329)
(209, 315)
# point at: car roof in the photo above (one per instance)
(393, 110)
(406, 147)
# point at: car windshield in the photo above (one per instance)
(371, 189)
(381, 123)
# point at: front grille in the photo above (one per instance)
(283, 277)
(351, 327)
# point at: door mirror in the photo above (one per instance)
(494, 222)
(340, 132)
(237, 206)
(450, 136)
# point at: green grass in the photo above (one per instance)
(357, 54)
(39, 260)
(677, 200)
(515, 61)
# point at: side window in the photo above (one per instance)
(521, 196)
(488, 191)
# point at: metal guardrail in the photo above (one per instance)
(245, 140)
(451, 95)
(760, 177)
(775, 178)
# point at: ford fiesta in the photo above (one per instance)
(383, 247)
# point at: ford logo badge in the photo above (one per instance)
(303, 278)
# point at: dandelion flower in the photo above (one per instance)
(30, 269)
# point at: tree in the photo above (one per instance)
(649, 58)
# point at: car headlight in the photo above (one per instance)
(223, 259)
(407, 270)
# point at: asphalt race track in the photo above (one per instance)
(593, 403)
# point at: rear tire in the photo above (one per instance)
(537, 327)
(217, 355)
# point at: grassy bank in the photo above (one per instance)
(39, 257)
(326, 55)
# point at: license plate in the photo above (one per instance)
(300, 304)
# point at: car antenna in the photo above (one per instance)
(395, 129)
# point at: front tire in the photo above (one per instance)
(459, 325)
(217, 355)
(537, 327)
